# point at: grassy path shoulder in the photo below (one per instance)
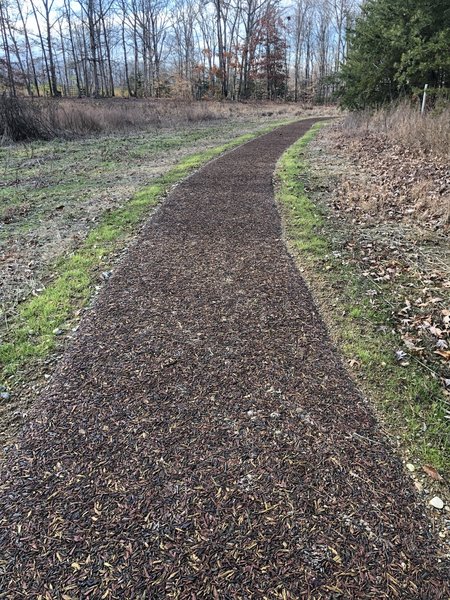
(41, 319)
(409, 399)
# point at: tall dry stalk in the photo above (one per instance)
(428, 133)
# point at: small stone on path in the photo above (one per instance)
(436, 502)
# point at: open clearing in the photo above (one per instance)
(201, 437)
(68, 209)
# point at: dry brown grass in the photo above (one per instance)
(25, 118)
(118, 114)
(428, 133)
(108, 116)
(402, 159)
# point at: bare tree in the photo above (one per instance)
(43, 11)
(31, 67)
(4, 26)
(236, 49)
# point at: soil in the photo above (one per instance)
(201, 437)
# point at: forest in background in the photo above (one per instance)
(366, 53)
(192, 49)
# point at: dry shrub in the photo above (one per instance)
(22, 119)
(428, 133)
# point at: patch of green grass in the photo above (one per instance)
(70, 174)
(33, 334)
(410, 398)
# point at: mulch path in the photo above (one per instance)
(201, 438)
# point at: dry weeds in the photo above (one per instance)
(403, 169)
(25, 119)
(393, 206)
(427, 134)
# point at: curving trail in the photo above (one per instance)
(201, 438)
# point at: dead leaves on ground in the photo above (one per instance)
(394, 182)
(395, 237)
(432, 472)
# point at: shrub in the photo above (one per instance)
(22, 119)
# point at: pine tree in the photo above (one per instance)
(396, 47)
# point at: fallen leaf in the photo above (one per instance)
(400, 355)
(431, 472)
(410, 344)
(435, 331)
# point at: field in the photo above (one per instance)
(70, 207)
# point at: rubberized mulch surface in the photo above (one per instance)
(201, 438)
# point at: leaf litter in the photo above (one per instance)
(396, 203)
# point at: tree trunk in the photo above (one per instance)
(28, 47)
(72, 48)
(54, 83)
(124, 47)
(222, 61)
(11, 82)
(93, 48)
(41, 40)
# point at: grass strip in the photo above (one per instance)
(34, 334)
(409, 399)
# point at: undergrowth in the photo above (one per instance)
(428, 133)
(25, 119)
(409, 398)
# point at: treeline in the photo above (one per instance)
(395, 48)
(237, 49)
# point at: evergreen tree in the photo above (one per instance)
(396, 47)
